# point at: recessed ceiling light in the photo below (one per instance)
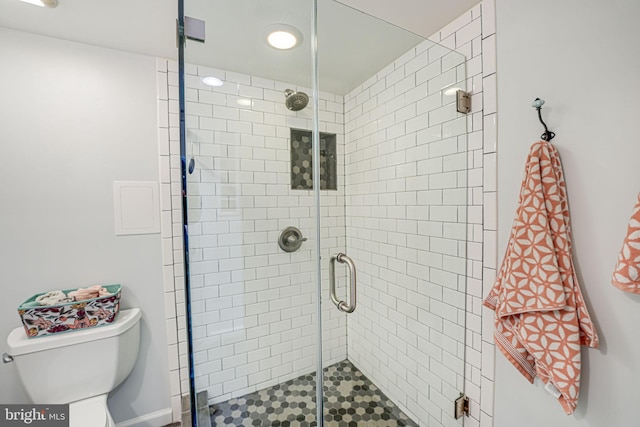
(42, 3)
(282, 39)
(212, 81)
(282, 36)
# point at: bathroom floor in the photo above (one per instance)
(351, 400)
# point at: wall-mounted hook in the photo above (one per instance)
(547, 135)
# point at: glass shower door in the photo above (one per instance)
(377, 206)
(252, 220)
(403, 175)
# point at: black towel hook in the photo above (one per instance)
(547, 135)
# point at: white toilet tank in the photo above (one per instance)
(76, 365)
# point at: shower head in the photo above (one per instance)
(295, 101)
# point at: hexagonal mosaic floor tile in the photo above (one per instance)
(351, 400)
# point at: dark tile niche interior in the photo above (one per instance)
(302, 161)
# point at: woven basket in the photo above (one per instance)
(47, 320)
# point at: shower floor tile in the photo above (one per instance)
(351, 400)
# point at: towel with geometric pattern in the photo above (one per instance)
(627, 273)
(540, 315)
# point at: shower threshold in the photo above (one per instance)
(350, 399)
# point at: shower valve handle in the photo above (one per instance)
(293, 240)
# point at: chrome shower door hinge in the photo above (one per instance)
(463, 101)
(461, 406)
(193, 29)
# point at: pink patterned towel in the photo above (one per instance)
(627, 273)
(541, 318)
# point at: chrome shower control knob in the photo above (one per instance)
(291, 239)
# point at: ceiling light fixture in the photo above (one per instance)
(283, 37)
(42, 3)
(212, 81)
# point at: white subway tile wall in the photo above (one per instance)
(253, 305)
(408, 182)
(171, 232)
(474, 34)
(415, 271)
(406, 187)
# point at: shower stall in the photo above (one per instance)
(325, 209)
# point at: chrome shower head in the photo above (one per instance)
(295, 101)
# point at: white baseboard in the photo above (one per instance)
(154, 419)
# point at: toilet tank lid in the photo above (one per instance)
(19, 343)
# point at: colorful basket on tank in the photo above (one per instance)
(47, 320)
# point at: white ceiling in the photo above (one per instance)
(423, 17)
(352, 45)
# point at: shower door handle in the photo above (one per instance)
(343, 305)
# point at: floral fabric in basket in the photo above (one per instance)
(47, 320)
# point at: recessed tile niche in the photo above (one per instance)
(302, 160)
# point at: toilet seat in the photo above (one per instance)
(90, 412)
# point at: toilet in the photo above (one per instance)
(79, 368)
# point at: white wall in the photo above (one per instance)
(582, 57)
(73, 119)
